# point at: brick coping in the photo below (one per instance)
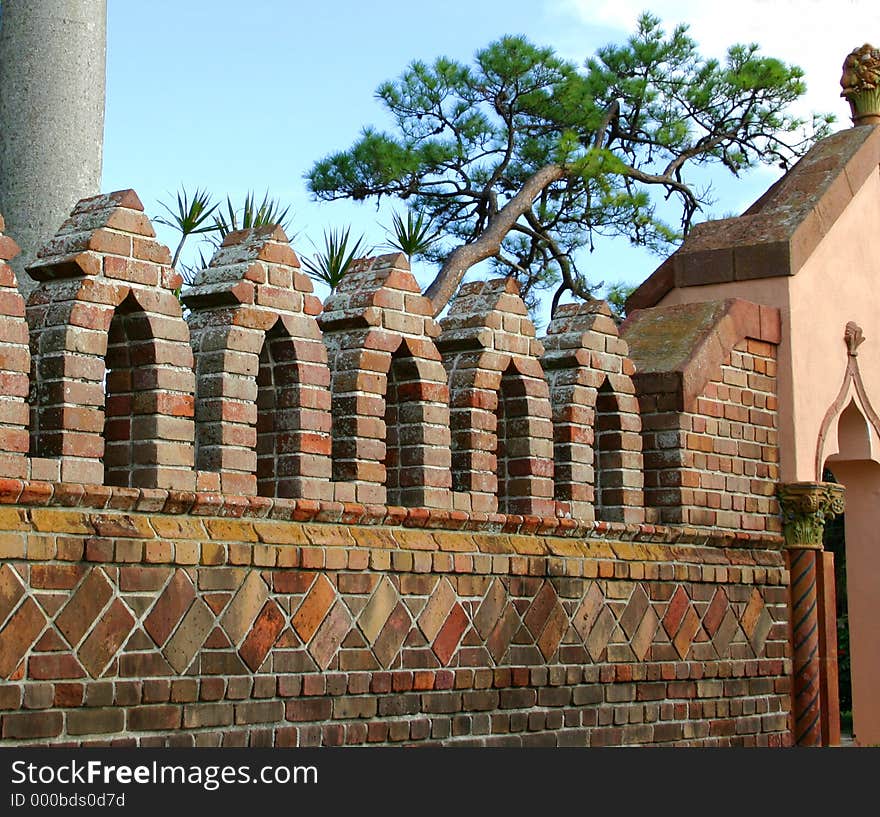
(205, 503)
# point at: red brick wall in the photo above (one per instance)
(254, 577)
(706, 385)
(718, 465)
(157, 618)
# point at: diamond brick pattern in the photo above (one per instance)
(588, 610)
(600, 633)
(450, 634)
(267, 627)
(643, 637)
(330, 635)
(170, 607)
(239, 622)
(315, 606)
(392, 635)
(502, 633)
(554, 629)
(244, 607)
(84, 608)
(11, 591)
(189, 636)
(539, 610)
(756, 622)
(106, 638)
(19, 632)
(634, 611)
(375, 615)
(438, 608)
(490, 609)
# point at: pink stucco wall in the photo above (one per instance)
(840, 282)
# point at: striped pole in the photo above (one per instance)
(806, 506)
(805, 648)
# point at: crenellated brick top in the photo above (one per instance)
(254, 266)
(277, 522)
(366, 409)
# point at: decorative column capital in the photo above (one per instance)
(861, 84)
(806, 507)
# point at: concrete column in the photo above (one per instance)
(52, 89)
(805, 508)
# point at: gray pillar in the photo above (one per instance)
(52, 87)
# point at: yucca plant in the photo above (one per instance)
(269, 211)
(330, 264)
(196, 214)
(189, 218)
(414, 236)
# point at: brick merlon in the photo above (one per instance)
(679, 349)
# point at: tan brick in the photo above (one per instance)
(235, 530)
(55, 520)
(280, 533)
(243, 609)
(189, 636)
(379, 607)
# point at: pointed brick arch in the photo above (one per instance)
(489, 348)
(416, 417)
(104, 265)
(263, 408)
(378, 312)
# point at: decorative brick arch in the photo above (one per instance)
(497, 384)
(377, 323)
(263, 407)
(596, 422)
(15, 363)
(105, 310)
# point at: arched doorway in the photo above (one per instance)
(855, 465)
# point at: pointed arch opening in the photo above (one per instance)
(129, 421)
(853, 539)
(618, 465)
(417, 456)
(513, 452)
(283, 420)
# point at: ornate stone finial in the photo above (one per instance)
(861, 84)
(806, 507)
(854, 337)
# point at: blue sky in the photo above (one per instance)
(246, 96)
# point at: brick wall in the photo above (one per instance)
(596, 423)
(158, 618)
(709, 413)
(262, 405)
(274, 521)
